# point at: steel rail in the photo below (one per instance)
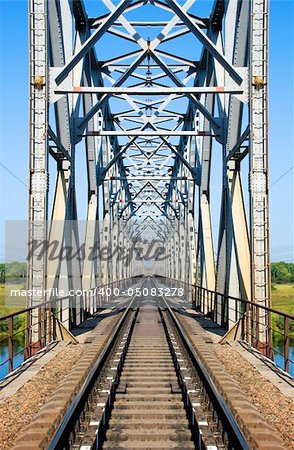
(106, 413)
(217, 399)
(195, 428)
(96, 369)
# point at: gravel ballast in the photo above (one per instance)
(17, 411)
(275, 407)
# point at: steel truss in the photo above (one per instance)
(149, 120)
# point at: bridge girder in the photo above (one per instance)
(150, 120)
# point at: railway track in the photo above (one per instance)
(148, 390)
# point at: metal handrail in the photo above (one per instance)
(275, 311)
(50, 302)
(46, 322)
(204, 299)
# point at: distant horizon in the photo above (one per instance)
(26, 262)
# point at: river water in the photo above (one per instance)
(17, 360)
(279, 359)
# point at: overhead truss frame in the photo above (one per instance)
(149, 163)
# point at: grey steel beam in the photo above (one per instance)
(145, 178)
(149, 91)
(134, 5)
(233, 262)
(158, 132)
(92, 40)
(119, 82)
(38, 164)
(155, 24)
(205, 41)
(59, 145)
(259, 188)
(238, 145)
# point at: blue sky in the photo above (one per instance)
(14, 121)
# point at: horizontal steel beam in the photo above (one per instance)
(149, 91)
(148, 133)
(145, 202)
(138, 24)
(112, 67)
(147, 178)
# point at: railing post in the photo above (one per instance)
(269, 336)
(256, 315)
(286, 343)
(45, 324)
(39, 328)
(214, 317)
(225, 312)
(28, 336)
(53, 315)
(10, 343)
(60, 311)
(247, 321)
(236, 311)
(252, 327)
(49, 316)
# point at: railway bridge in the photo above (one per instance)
(149, 104)
(153, 115)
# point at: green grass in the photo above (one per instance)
(283, 298)
(9, 305)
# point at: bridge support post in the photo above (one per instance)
(259, 216)
(38, 176)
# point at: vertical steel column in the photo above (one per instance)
(38, 153)
(260, 261)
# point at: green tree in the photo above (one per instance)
(2, 273)
(282, 272)
(16, 270)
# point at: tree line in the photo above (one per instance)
(14, 270)
(281, 272)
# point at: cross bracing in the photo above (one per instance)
(148, 89)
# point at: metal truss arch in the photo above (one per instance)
(150, 114)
